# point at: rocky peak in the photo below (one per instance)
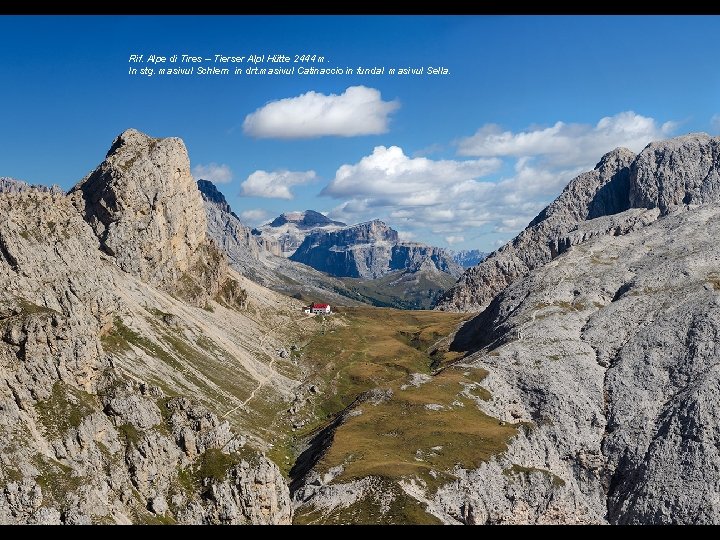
(306, 220)
(666, 175)
(600, 192)
(145, 208)
(683, 170)
(362, 233)
(12, 185)
(211, 193)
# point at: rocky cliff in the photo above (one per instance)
(145, 208)
(291, 228)
(93, 357)
(369, 250)
(665, 175)
(603, 362)
(468, 258)
(602, 191)
(228, 232)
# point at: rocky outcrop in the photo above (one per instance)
(83, 440)
(369, 250)
(145, 208)
(235, 239)
(290, 229)
(609, 354)
(667, 175)
(602, 191)
(676, 172)
(11, 185)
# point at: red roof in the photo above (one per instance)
(320, 306)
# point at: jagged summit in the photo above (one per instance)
(146, 210)
(13, 185)
(304, 220)
(369, 250)
(666, 175)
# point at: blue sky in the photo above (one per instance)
(463, 160)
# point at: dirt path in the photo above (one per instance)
(264, 380)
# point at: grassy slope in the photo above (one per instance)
(355, 350)
(399, 438)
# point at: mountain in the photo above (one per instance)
(291, 228)
(144, 380)
(123, 338)
(260, 257)
(468, 258)
(619, 182)
(595, 365)
(368, 250)
(416, 282)
(12, 185)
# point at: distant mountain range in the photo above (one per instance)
(291, 228)
(308, 255)
(468, 258)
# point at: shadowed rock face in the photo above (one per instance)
(145, 208)
(369, 250)
(665, 175)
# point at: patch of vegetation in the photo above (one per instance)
(609, 261)
(28, 308)
(420, 432)
(10, 474)
(102, 520)
(65, 408)
(714, 279)
(187, 288)
(399, 289)
(56, 481)
(232, 295)
(130, 433)
(516, 469)
(212, 464)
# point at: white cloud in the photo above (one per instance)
(357, 111)
(715, 123)
(254, 216)
(509, 180)
(454, 239)
(566, 144)
(275, 184)
(219, 174)
(406, 236)
(389, 177)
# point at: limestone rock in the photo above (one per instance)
(600, 192)
(667, 175)
(144, 206)
(82, 440)
(288, 230)
(369, 250)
